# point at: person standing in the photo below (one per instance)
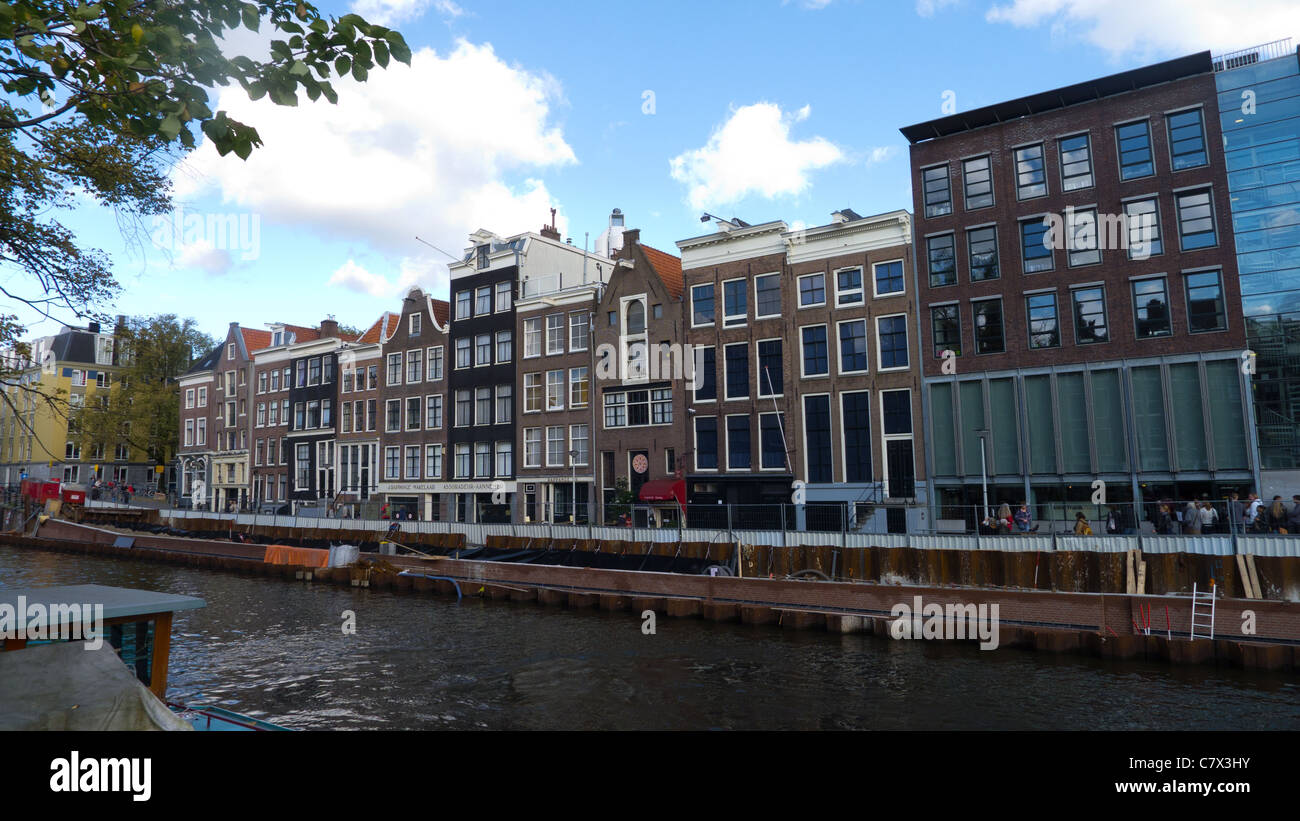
(1236, 512)
(1164, 523)
(1253, 512)
(1209, 518)
(1191, 520)
(1023, 519)
(1081, 526)
(1277, 516)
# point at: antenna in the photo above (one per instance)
(439, 250)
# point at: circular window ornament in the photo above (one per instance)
(640, 463)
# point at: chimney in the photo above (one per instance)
(93, 327)
(550, 231)
(329, 328)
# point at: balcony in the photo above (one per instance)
(1252, 55)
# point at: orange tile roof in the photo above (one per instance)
(375, 332)
(441, 311)
(255, 340)
(668, 267)
(302, 334)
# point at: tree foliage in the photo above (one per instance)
(143, 408)
(101, 98)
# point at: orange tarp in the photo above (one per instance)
(302, 556)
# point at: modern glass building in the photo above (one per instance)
(1259, 111)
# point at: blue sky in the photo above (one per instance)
(762, 110)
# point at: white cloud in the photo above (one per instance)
(204, 256)
(752, 152)
(1153, 27)
(391, 12)
(445, 146)
(412, 271)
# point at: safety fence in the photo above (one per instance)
(479, 534)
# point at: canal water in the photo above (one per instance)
(277, 651)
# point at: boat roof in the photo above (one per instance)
(118, 602)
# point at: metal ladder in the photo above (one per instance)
(1201, 603)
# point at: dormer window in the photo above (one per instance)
(415, 325)
(636, 317)
(483, 255)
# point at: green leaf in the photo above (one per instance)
(319, 26)
(171, 126)
(397, 45)
(343, 65)
(299, 69)
(359, 72)
(381, 54)
(329, 92)
(243, 148)
(252, 18)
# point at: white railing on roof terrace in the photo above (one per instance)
(544, 284)
(1252, 55)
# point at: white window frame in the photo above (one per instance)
(726, 372)
(734, 320)
(861, 290)
(907, 346)
(803, 359)
(757, 277)
(799, 290)
(712, 322)
(839, 353)
(876, 294)
(695, 446)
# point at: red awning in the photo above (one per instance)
(664, 490)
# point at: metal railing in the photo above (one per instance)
(1252, 55)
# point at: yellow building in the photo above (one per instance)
(70, 369)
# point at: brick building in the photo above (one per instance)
(358, 452)
(411, 396)
(639, 412)
(1075, 254)
(273, 416)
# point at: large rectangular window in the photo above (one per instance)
(1081, 236)
(900, 464)
(706, 374)
(945, 325)
(888, 277)
(817, 437)
(734, 303)
(1195, 220)
(1149, 418)
(737, 363)
(815, 361)
(977, 182)
(938, 191)
(767, 296)
(1134, 142)
(1035, 254)
(1186, 139)
(739, 456)
(1205, 307)
(532, 337)
(848, 287)
(982, 247)
(579, 330)
(1076, 162)
(1031, 174)
(1044, 329)
(532, 392)
(702, 304)
(812, 290)
(1090, 315)
(772, 441)
(771, 378)
(1151, 308)
(855, 416)
(891, 336)
(853, 346)
(1108, 421)
(706, 443)
(988, 326)
(1040, 409)
(1142, 219)
(942, 261)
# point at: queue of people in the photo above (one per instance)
(1251, 515)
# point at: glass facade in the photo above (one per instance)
(1187, 418)
(1259, 113)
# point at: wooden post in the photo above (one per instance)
(162, 645)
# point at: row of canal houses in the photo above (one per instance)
(557, 381)
(869, 372)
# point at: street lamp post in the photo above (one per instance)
(573, 487)
(982, 433)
